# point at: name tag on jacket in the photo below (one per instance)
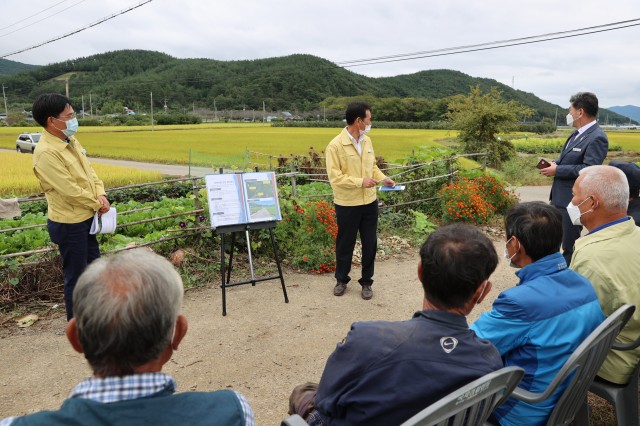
(576, 149)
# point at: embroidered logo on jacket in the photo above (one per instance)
(448, 343)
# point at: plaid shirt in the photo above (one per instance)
(114, 389)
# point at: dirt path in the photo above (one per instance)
(262, 348)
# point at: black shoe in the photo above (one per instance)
(367, 293)
(340, 288)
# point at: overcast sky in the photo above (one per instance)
(606, 63)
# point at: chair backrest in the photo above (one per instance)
(584, 364)
(471, 404)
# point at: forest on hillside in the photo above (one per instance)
(303, 84)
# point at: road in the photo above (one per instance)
(526, 193)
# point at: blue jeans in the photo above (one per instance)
(78, 248)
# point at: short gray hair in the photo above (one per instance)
(126, 308)
(609, 183)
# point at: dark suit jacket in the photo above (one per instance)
(590, 149)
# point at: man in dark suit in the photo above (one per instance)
(587, 146)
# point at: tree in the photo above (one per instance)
(480, 117)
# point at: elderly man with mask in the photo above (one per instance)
(609, 255)
(128, 324)
(538, 323)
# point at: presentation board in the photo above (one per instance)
(238, 199)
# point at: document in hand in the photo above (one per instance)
(392, 188)
(105, 224)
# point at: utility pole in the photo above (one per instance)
(152, 111)
(6, 111)
(215, 110)
(83, 114)
(90, 105)
(556, 120)
(67, 86)
(264, 113)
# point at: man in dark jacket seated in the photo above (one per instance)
(127, 325)
(385, 372)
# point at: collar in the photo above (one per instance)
(584, 128)
(55, 142)
(353, 140)
(122, 388)
(449, 318)
(547, 265)
(619, 230)
(606, 225)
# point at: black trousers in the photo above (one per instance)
(351, 220)
(570, 233)
(78, 248)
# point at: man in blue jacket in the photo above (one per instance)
(538, 323)
(586, 146)
(127, 324)
(385, 372)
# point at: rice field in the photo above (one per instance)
(17, 178)
(220, 145)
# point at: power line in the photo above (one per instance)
(31, 16)
(40, 20)
(122, 12)
(492, 45)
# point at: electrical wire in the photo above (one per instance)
(122, 12)
(31, 16)
(493, 44)
(40, 20)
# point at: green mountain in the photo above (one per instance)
(8, 67)
(297, 83)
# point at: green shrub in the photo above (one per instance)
(307, 235)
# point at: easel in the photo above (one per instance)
(233, 229)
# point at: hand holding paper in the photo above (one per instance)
(105, 223)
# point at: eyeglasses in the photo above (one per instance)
(68, 117)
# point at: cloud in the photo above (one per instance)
(606, 63)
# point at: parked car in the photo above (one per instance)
(26, 142)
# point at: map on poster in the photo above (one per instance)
(237, 199)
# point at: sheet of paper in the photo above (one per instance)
(226, 200)
(262, 196)
(392, 188)
(104, 224)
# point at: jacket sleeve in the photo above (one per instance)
(595, 153)
(52, 171)
(505, 331)
(341, 374)
(336, 177)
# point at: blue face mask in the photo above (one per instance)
(72, 127)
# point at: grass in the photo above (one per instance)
(17, 178)
(225, 145)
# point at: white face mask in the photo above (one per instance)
(574, 211)
(569, 120)
(367, 129)
(506, 253)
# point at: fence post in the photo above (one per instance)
(196, 201)
(189, 162)
(484, 162)
(270, 165)
(293, 179)
(450, 170)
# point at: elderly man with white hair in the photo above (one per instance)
(609, 255)
(128, 324)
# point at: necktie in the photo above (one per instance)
(572, 139)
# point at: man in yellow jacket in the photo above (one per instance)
(353, 174)
(73, 191)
